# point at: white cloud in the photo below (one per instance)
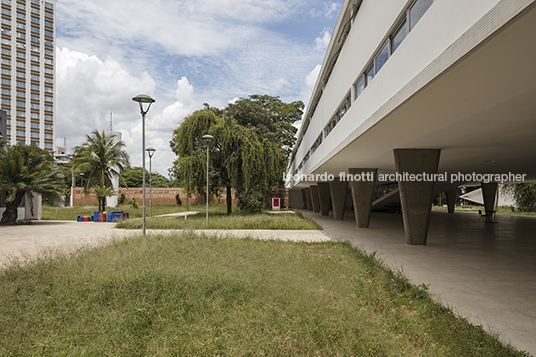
(113, 50)
(331, 9)
(328, 9)
(310, 80)
(322, 42)
(89, 89)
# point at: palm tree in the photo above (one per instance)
(100, 158)
(102, 192)
(26, 169)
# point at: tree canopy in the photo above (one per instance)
(100, 158)
(524, 195)
(133, 177)
(26, 169)
(252, 140)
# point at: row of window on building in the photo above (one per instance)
(412, 15)
(33, 134)
(34, 125)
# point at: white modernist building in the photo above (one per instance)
(441, 92)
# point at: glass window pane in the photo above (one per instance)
(370, 75)
(360, 86)
(382, 57)
(399, 36)
(417, 11)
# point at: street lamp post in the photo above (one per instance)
(150, 151)
(82, 192)
(143, 98)
(207, 138)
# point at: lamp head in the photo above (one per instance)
(150, 150)
(144, 98)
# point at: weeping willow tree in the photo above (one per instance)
(247, 153)
(189, 169)
(250, 163)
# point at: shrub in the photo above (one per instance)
(178, 199)
(122, 198)
(251, 203)
(133, 202)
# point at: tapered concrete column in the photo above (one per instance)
(338, 191)
(451, 199)
(489, 193)
(416, 196)
(315, 199)
(308, 199)
(362, 193)
(304, 198)
(324, 196)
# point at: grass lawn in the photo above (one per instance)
(185, 295)
(500, 210)
(218, 219)
(70, 213)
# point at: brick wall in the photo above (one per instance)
(278, 193)
(160, 196)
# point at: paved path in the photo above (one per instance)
(181, 214)
(485, 272)
(29, 241)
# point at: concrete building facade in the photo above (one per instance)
(439, 92)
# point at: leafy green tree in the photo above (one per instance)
(26, 169)
(189, 168)
(524, 195)
(134, 178)
(249, 151)
(99, 158)
(270, 116)
(102, 192)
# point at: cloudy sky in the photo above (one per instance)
(183, 53)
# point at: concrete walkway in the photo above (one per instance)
(486, 272)
(181, 214)
(28, 241)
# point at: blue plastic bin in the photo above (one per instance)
(114, 216)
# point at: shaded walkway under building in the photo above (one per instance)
(484, 271)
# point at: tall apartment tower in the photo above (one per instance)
(27, 62)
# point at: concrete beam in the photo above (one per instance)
(315, 199)
(451, 199)
(416, 196)
(338, 191)
(325, 197)
(362, 193)
(304, 198)
(309, 199)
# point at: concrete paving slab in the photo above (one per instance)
(486, 272)
(181, 214)
(311, 236)
(28, 241)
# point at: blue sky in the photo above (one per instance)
(183, 53)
